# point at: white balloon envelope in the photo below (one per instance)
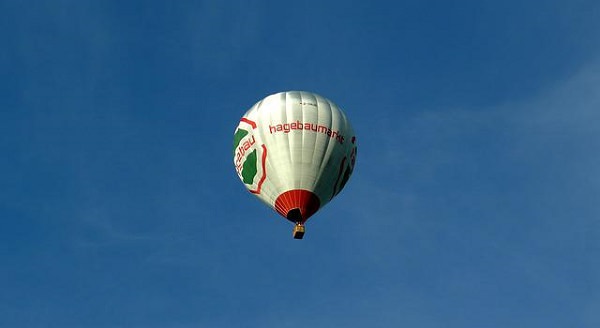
(295, 151)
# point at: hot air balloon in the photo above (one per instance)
(295, 151)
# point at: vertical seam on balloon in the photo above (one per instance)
(328, 144)
(300, 184)
(276, 147)
(316, 178)
(273, 177)
(303, 134)
(286, 136)
(286, 203)
(281, 208)
(314, 99)
(297, 201)
(290, 201)
(289, 113)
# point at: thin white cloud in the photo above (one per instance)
(97, 229)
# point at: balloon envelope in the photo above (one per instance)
(295, 151)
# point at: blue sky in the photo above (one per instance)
(474, 203)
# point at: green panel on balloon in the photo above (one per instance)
(249, 170)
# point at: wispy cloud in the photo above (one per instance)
(98, 229)
(514, 187)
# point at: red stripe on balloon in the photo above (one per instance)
(306, 201)
(252, 123)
